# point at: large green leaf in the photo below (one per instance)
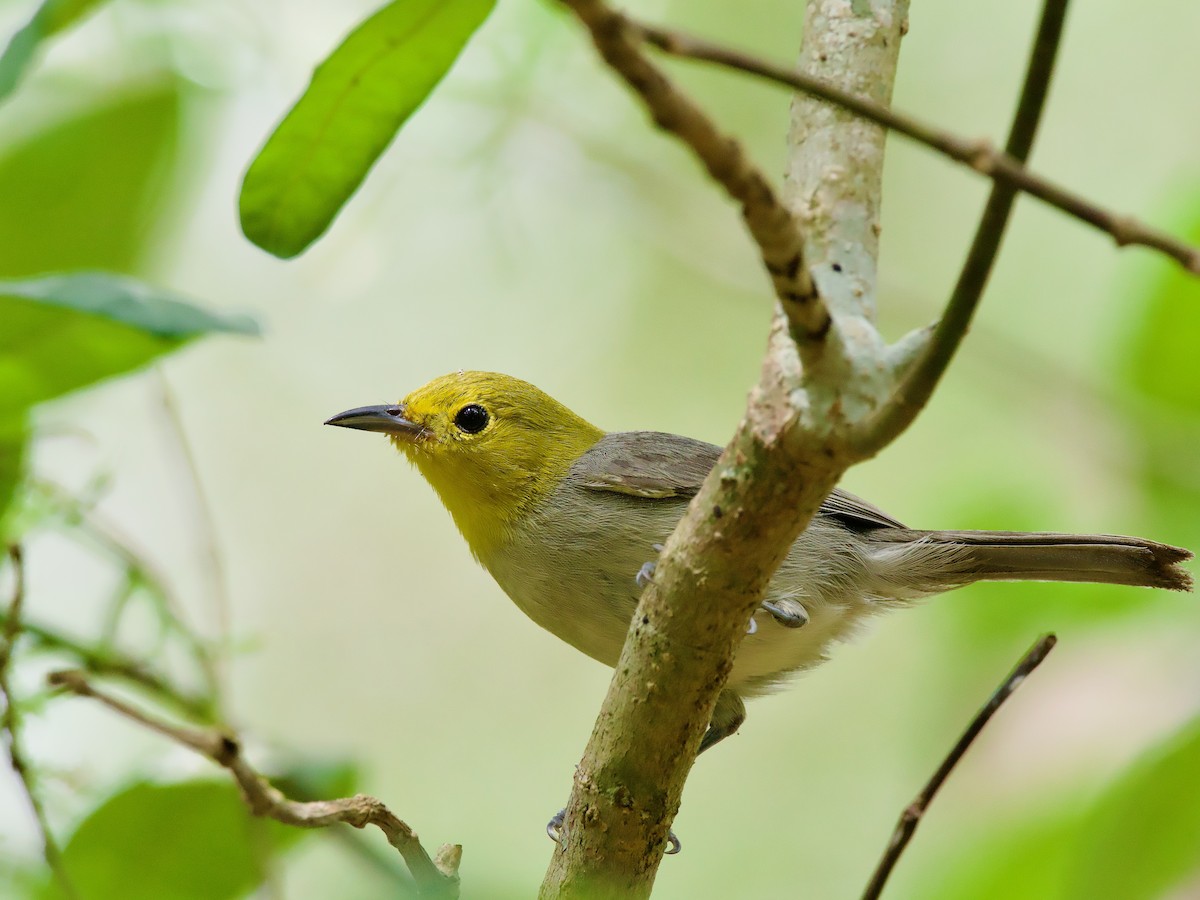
(50, 18)
(357, 101)
(81, 193)
(188, 841)
(63, 332)
(1143, 838)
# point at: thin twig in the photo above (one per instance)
(911, 817)
(918, 382)
(978, 154)
(10, 725)
(437, 879)
(206, 527)
(113, 664)
(771, 224)
(87, 524)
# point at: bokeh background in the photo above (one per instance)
(528, 220)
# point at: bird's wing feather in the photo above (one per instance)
(657, 466)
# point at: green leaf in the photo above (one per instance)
(1143, 838)
(51, 17)
(63, 332)
(82, 193)
(358, 99)
(193, 840)
(1162, 355)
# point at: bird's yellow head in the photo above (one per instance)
(491, 445)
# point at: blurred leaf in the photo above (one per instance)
(312, 779)
(358, 99)
(1143, 838)
(63, 332)
(1024, 858)
(13, 435)
(51, 17)
(192, 839)
(80, 193)
(1162, 355)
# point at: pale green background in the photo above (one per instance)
(528, 220)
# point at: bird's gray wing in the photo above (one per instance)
(645, 464)
(656, 465)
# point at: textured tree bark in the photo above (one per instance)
(790, 449)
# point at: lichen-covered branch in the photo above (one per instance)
(788, 453)
(918, 380)
(772, 226)
(435, 878)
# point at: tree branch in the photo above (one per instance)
(435, 878)
(911, 817)
(978, 154)
(918, 381)
(788, 453)
(11, 726)
(772, 226)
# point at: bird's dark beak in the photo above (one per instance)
(385, 419)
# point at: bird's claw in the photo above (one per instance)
(645, 574)
(788, 613)
(554, 828)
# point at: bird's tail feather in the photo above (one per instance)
(1044, 556)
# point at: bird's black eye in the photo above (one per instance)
(472, 418)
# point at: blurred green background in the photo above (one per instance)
(528, 220)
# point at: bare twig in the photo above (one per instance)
(205, 524)
(911, 817)
(771, 224)
(11, 726)
(978, 154)
(438, 879)
(917, 383)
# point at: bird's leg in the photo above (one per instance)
(728, 716)
(788, 613)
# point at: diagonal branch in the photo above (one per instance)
(922, 376)
(10, 725)
(771, 224)
(435, 878)
(911, 817)
(978, 154)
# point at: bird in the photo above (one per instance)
(567, 518)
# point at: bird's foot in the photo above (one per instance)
(645, 574)
(788, 613)
(554, 828)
